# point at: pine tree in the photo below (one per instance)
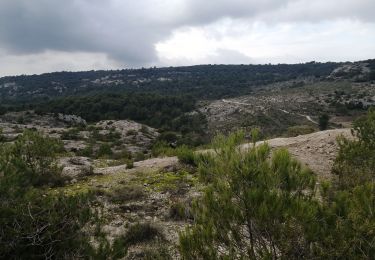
(253, 206)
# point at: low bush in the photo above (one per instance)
(162, 148)
(124, 154)
(129, 164)
(141, 232)
(256, 205)
(138, 233)
(299, 130)
(104, 150)
(126, 193)
(323, 121)
(88, 151)
(71, 134)
(2, 137)
(131, 132)
(157, 252)
(180, 211)
(36, 224)
(30, 161)
(186, 155)
(355, 163)
(139, 156)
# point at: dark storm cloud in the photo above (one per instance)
(91, 26)
(128, 30)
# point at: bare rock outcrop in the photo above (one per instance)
(76, 167)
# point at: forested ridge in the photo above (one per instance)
(203, 81)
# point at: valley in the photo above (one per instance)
(135, 152)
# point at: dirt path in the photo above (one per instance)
(150, 164)
(306, 116)
(309, 118)
(282, 110)
(240, 103)
(316, 150)
(235, 102)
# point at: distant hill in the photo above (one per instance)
(202, 81)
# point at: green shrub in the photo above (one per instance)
(131, 132)
(20, 120)
(161, 148)
(157, 252)
(144, 129)
(88, 151)
(253, 207)
(138, 233)
(127, 193)
(123, 155)
(355, 163)
(347, 224)
(104, 150)
(129, 164)
(3, 110)
(2, 137)
(141, 232)
(186, 155)
(323, 122)
(299, 130)
(71, 134)
(168, 137)
(139, 156)
(34, 223)
(30, 161)
(34, 226)
(180, 211)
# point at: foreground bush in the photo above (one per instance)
(260, 206)
(38, 227)
(355, 163)
(33, 223)
(186, 155)
(138, 233)
(252, 207)
(30, 161)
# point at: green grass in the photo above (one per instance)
(168, 181)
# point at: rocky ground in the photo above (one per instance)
(112, 158)
(317, 150)
(159, 191)
(81, 138)
(276, 107)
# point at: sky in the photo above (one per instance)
(38, 36)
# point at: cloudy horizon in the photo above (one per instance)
(74, 35)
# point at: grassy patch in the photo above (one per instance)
(299, 130)
(174, 182)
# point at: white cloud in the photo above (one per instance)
(290, 42)
(50, 61)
